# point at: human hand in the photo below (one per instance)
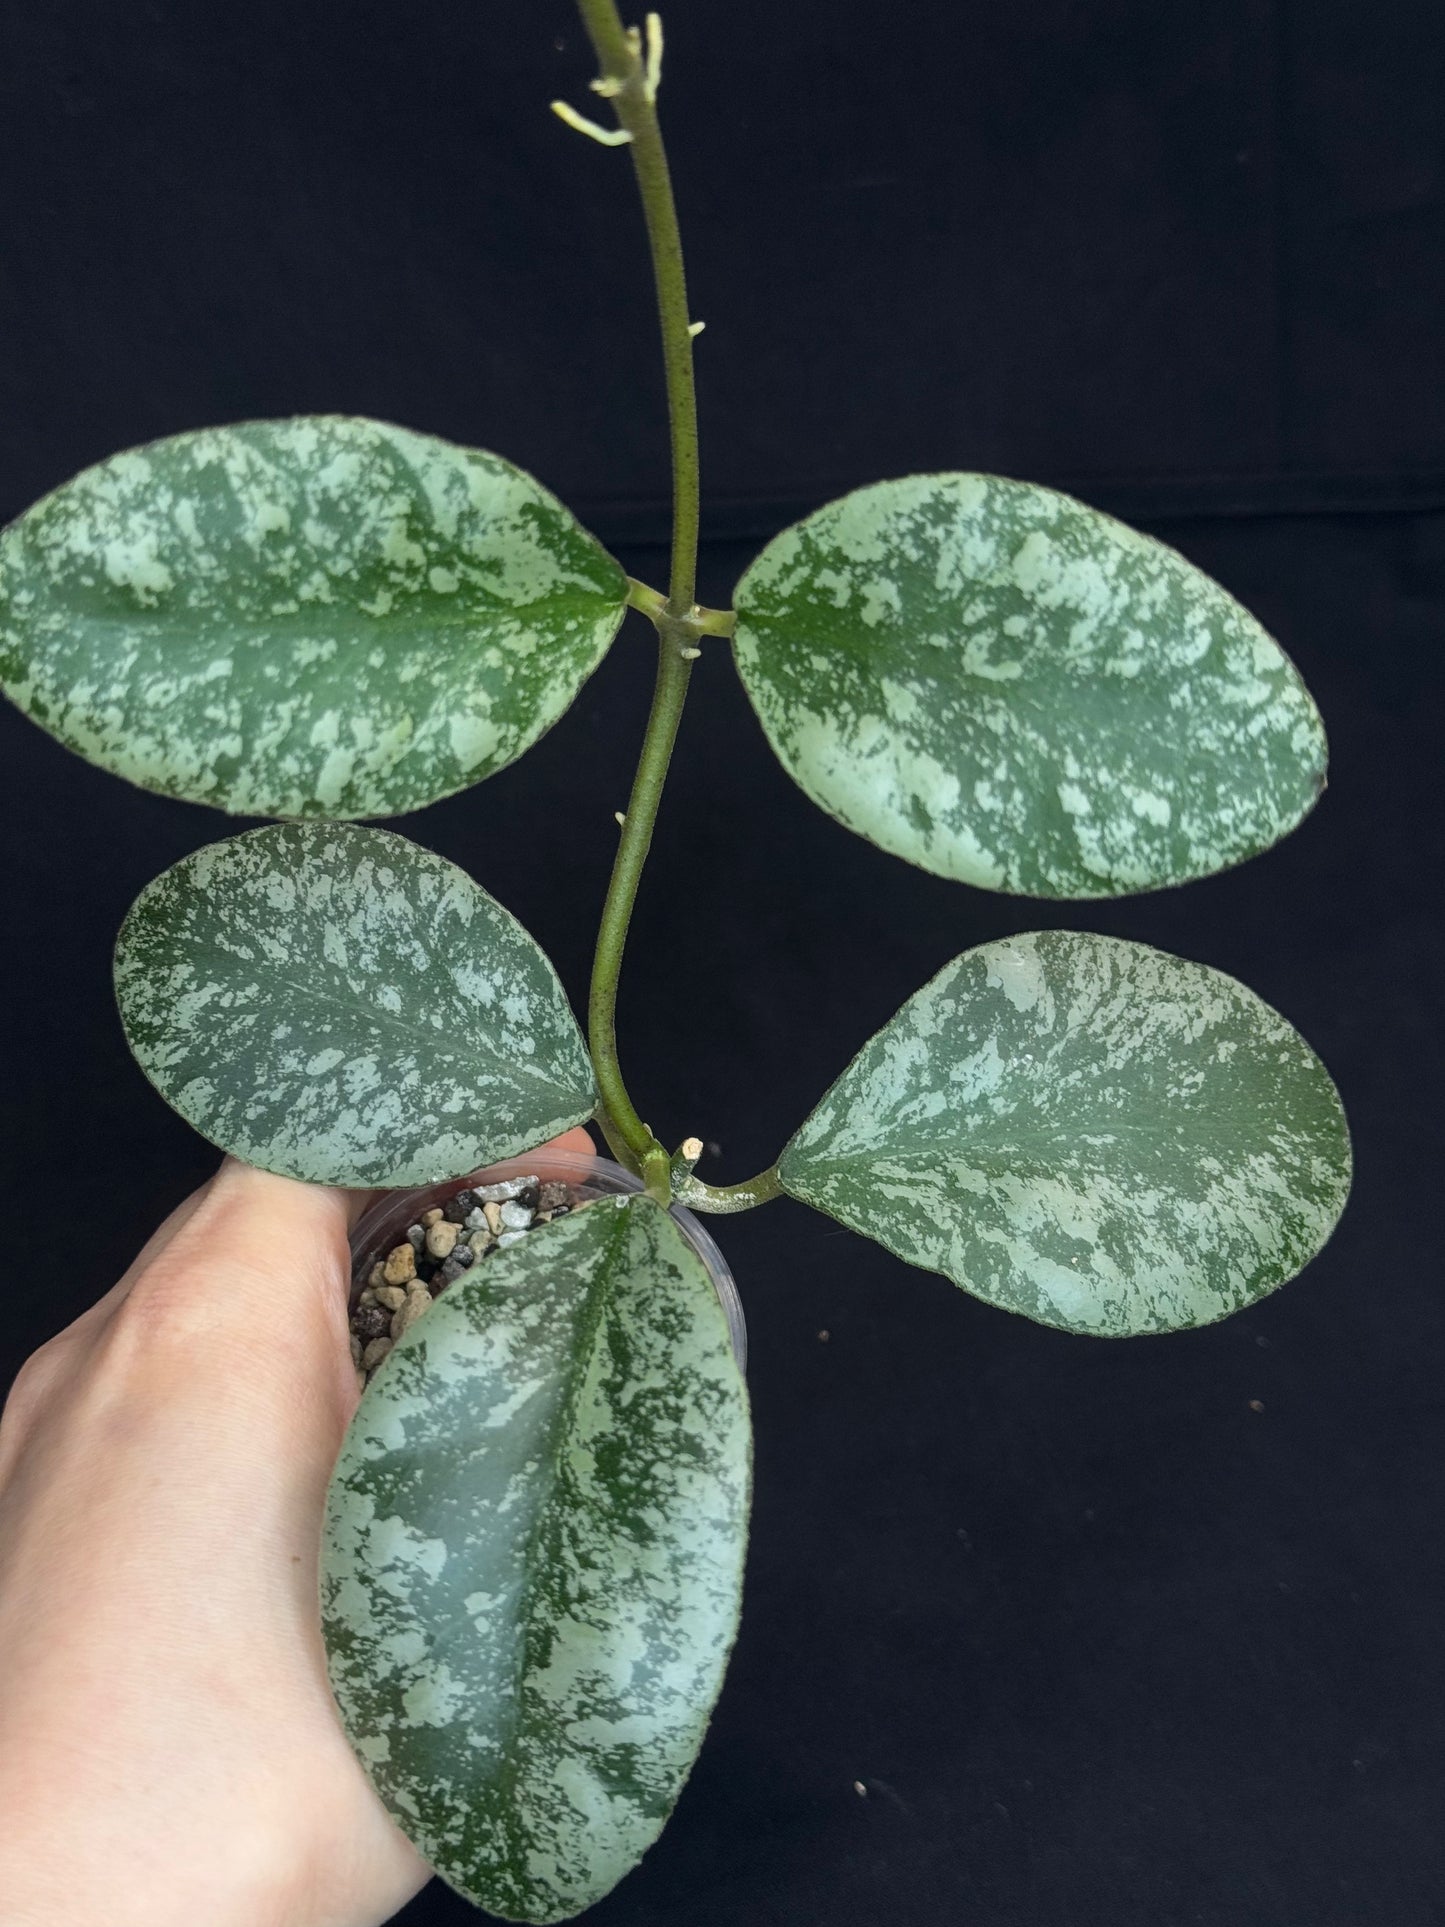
(170, 1752)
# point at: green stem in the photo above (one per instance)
(705, 622)
(616, 55)
(673, 672)
(622, 67)
(614, 1140)
(727, 1198)
(626, 82)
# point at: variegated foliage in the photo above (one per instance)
(1088, 1131)
(533, 1558)
(324, 616)
(1003, 686)
(335, 1003)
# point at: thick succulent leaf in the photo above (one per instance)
(533, 1558)
(1006, 687)
(1088, 1131)
(337, 1004)
(318, 617)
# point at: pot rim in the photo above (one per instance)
(610, 1178)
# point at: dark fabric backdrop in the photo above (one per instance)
(1108, 1634)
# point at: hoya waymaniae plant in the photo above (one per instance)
(543, 1497)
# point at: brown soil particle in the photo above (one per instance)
(441, 1239)
(400, 1265)
(370, 1321)
(417, 1302)
(443, 1244)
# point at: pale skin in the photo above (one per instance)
(170, 1752)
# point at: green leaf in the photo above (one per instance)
(319, 617)
(533, 1558)
(337, 1004)
(1006, 687)
(1100, 1136)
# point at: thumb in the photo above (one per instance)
(254, 1272)
(253, 1278)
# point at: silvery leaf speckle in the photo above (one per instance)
(1004, 686)
(1088, 1131)
(323, 616)
(533, 1558)
(337, 1004)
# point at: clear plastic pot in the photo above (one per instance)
(384, 1225)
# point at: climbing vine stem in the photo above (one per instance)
(630, 70)
(628, 78)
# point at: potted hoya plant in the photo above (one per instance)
(535, 1533)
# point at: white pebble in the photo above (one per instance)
(499, 1193)
(510, 1238)
(516, 1217)
(476, 1219)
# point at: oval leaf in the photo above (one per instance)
(1003, 686)
(318, 617)
(339, 1005)
(1100, 1136)
(533, 1558)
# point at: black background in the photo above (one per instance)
(1099, 1641)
